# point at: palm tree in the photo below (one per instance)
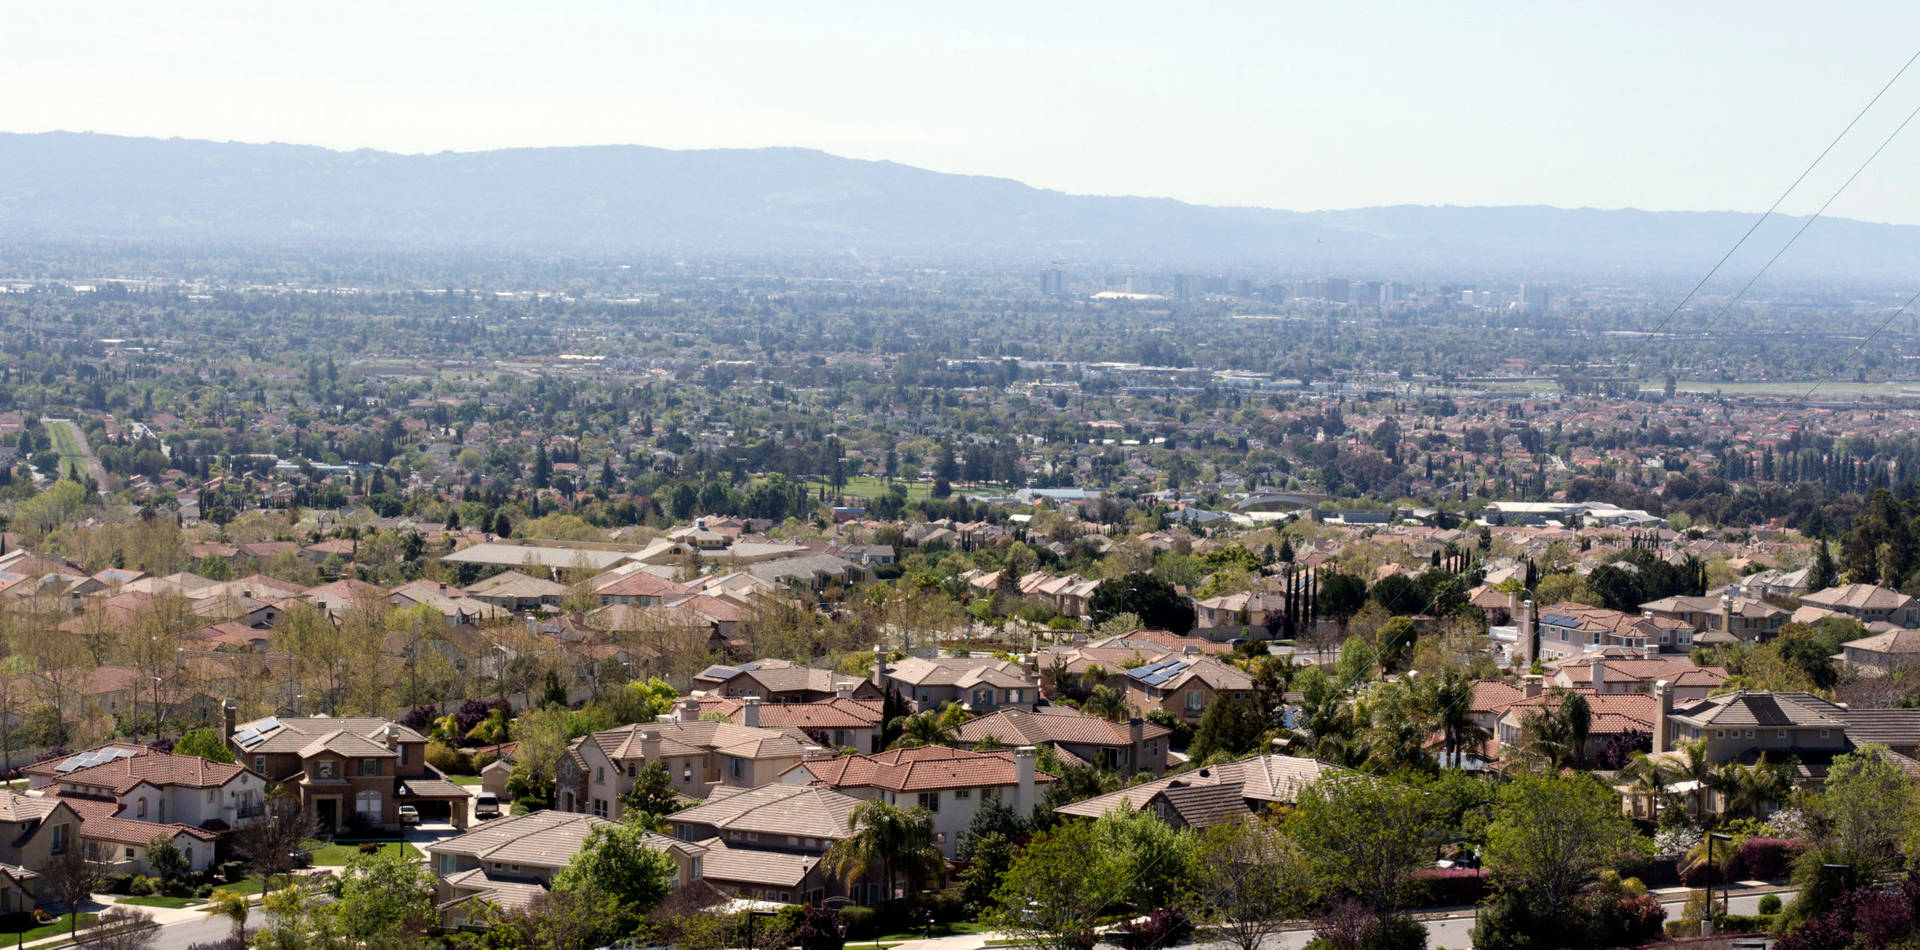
(889, 840)
(1107, 703)
(233, 906)
(1647, 780)
(1694, 766)
(1447, 701)
(923, 728)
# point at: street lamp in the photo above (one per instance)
(1706, 926)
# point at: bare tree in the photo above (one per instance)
(121, 928)
(1249, 882)
(268, 843)
(73, 876)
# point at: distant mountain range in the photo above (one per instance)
(801, 204)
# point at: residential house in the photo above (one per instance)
(509, 862)
(1129, 748)
(33, 831)
(1623, 670)
(1185, 685)
(1213, 795)
(1611, 715)
(1867, 604)
(765, 843)
(1888, 648)
(162, 788)
(350, 770)
(699, 755)
(1570, 629)
(782, 681)
(978, 683)
(1745, 619)
(515, 592)
(950, 784)
(837, 723)
(1246, 614)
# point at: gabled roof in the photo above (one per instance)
(1745, 708)
(1256, 781)
(1049, 725)
(1176, 671)
(1857, 597)
(804, 810)
(753, 866)
(916, 770)
(547, 839)
(292, 734)
(622, 743)
(835, 713)
(963, 672)
(163, 771)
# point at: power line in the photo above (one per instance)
(1810, 219)
(1770, 210)
(1863, 345)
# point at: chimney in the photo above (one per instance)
(750, 711)
(1663, 708)
(843, 690)
(1532, 685)
(689, 710)
(879, 673)
(1136, 738)
(650, 745)
(1726, 615)
(393, 736)
(1597, 674)
(1023, 799)
(230, 714)
(1526, 624)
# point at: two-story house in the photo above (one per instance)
(1621, 670)
(766, 843)
(1887, 648)
(950, 784)
(1867, 604)
(1129, 748)
(1246, 614)
(351, 770)
(837, 723)
(511, 861)
(1201, 798)
(978, 683)
(1570, 629)
(1745, 619)
(782, 681)
(127, 801)
(699, 755)
(33, 831)
(1185, 685)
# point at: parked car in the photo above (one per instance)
(486, 805)
(409, 815)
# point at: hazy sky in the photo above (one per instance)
(1690, 105)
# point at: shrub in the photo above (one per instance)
(859, 921)
(1163, 927)
(820, 930)
(231, 871)
(1764, 858)
(448, 759)
(1770, 904)
(1451, 887)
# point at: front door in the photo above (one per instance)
(327, 811)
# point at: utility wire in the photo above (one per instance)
(1770, 210)
(1810, 219)
(1863, 345)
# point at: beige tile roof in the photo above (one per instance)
(1049, 725)
(917, 770)
(547, 839)
(734, 865)
(804, 810)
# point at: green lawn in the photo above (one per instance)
(67, 444)
(249, 885)
(174, 902)
(337, 855)
(56, 929)
(467, 780)
(959, 928)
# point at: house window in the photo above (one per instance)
(1719, 733)
(600, 807)
(686, 772)
(1823, 733)
(369, 766)
(599, 775)
(187, 852)
(739, 767)
(1749, 733)
(367, 805)
(961, 794)
(633, 771)
(930, 801)
(402, 752)
(140, 808)
(1195, 700)
(260, 764)
(1013, 695)
(59, 843)
(129, 854)
(694, 869)
(1782, 734)
(324, 768)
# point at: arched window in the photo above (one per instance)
(367, 804)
